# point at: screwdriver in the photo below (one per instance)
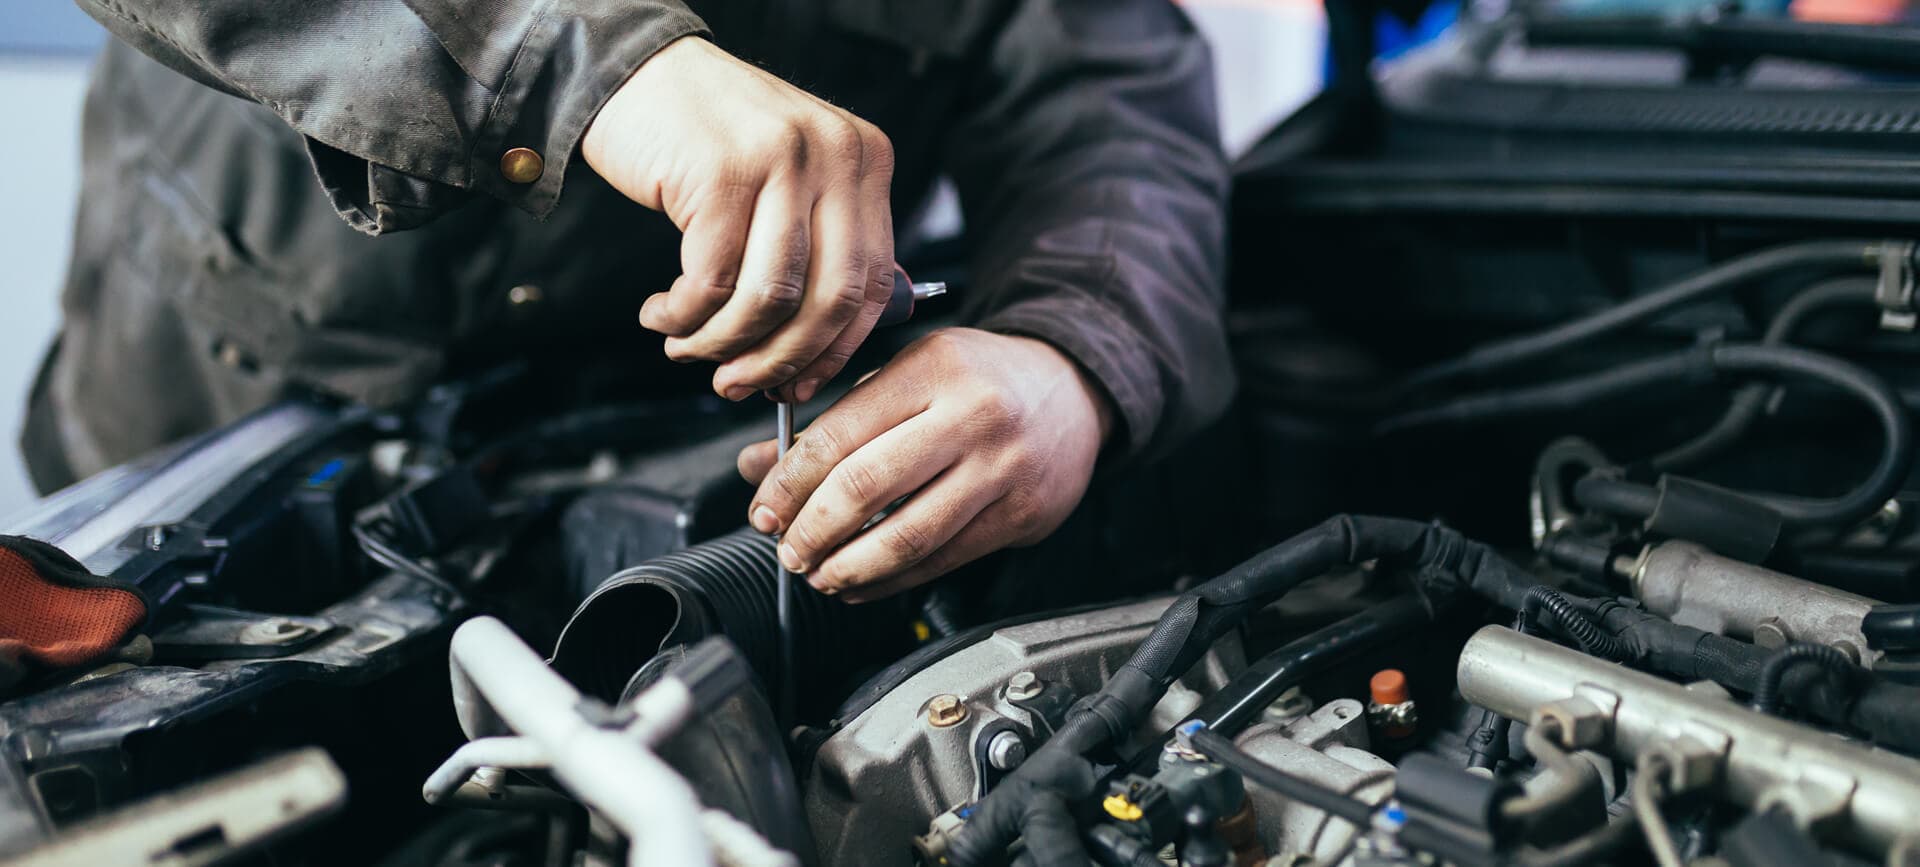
(906, 294)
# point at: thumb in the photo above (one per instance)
(757, 460)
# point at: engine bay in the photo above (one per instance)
(1548, 529)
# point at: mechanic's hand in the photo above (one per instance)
(994, 437)
(787, 259)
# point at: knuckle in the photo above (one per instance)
(782, 293)
(876, 146)
(805, 539)
(842, 135)
(860, 484)
(908, 542)
(784, 492)
(848, 300)
(879, 284)
(817, 447)
(787, 142)
(772, 373)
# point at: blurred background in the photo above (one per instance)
(1268, 58)
(45, 49)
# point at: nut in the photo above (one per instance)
(1005, 751)
(945, 710)
(1024, 686)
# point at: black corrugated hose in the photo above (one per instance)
(1571, 622)
(1446, 563)
(1886, 711)
(1766, 694)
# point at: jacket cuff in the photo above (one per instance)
(569, 66)
(1112, 352)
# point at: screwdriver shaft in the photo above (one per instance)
(783, 584)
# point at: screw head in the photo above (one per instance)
(1770, 634)
(945, 710)
(1006, 751)
(1023, 686)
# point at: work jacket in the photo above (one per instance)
(288, 194)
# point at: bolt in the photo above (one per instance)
(1006, 751)
(1770, 634)
(945, 710)
(1024, 686)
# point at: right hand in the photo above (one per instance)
(787, 255)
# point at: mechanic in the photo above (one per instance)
(451, 228)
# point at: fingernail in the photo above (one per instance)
(765, 520)
(805, 390)
(737, 393)
(822, 587)
(791, 559)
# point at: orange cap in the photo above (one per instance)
(1389, 686)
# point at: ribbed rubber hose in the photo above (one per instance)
(1766, 695)
(722, 586)
(1572, 623)
(1860, 254)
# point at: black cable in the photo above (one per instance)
(1750, 401)
(1486, 359)
(1766, 694)
(1446, 562)
(377, 550)
(1702, 364)
(1332, 801)
(1572, 623)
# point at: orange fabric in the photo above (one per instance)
(60, 626)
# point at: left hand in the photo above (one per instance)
(993, 436)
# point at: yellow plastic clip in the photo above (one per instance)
(1120, 808)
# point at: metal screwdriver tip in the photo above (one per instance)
(923, 291)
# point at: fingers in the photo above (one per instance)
(894, 464)
(864, 414)
(714, 242)
(772, 283)
(837, 292)
(876, 228)
(874, 577)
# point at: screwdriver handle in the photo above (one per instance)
(905, 294)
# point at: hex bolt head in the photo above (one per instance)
(945, 710)
(1006, 751)
(1770, 634)
(1024, 686)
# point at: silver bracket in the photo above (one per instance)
(1894, 291)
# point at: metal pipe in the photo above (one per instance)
(636, 792)
(1867, 796)
(1695, 587)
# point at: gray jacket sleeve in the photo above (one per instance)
(408, 106)
(1091, 176)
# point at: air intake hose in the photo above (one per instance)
(724, 586)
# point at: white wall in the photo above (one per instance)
(39, 177)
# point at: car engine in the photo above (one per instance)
(1566, 516)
